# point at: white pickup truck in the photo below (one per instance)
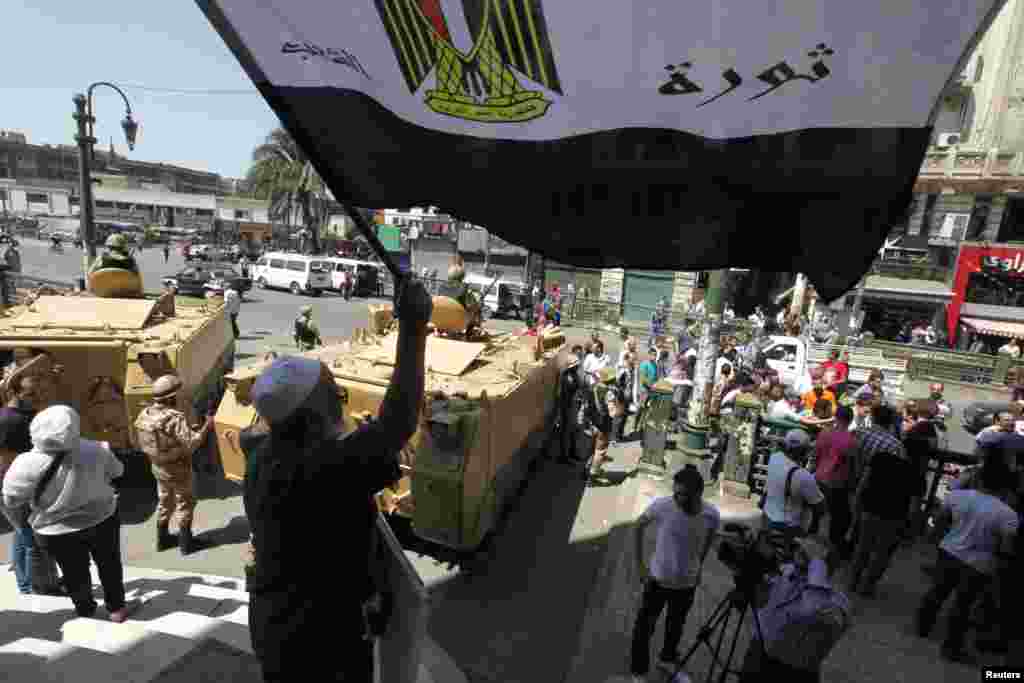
(793, 358)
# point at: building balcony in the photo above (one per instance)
(961, 168)
(911, 270)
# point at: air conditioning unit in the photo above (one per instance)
(948, 139)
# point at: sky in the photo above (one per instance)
(56, 48)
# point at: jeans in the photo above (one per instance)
(757, 666)
(23, 548)
(72, 552)
(878, 537)
(952, 574)
(840, 516)
(618, 427)
(656, 596)
(286, 627)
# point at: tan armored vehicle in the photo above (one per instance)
(102, 355)
(485, 402)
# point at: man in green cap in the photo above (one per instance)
(307, 334)
(115, 256)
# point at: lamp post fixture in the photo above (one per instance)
(86, 141)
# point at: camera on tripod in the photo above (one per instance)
(753, 556)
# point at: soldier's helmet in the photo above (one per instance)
(166, 387)
(306, 310)
(117, 242)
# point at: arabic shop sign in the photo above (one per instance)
(1013, 265)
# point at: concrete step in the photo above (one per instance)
(42, 640)
(45, 661)
(198, 627)
(141, 653)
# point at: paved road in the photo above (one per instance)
(266, 318)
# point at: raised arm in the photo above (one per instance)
(399, 412)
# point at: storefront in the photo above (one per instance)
(892, 303)
(988, 294)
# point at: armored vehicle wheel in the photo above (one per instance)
(296, 290)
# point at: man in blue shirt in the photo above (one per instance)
(801, 619)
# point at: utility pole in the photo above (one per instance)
(487, 253)
(85, 141)
(799, 289)
(707, 353)
(858, 301)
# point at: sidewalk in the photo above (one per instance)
(879, 647)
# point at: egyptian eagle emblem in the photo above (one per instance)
(481, 85)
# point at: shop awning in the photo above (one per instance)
(996, 327)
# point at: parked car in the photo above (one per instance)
(192, 280)
(980, 414)
(208, 252)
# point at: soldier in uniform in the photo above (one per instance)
(168, 441)
(115, 256)
(307, 334)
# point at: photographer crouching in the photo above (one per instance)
(801, 616)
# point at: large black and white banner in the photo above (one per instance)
(782, 135)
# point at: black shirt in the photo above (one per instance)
(312, 513)
(892, 481)
(14, 429)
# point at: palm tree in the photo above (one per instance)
(282, 173)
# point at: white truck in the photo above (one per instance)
(794, 358)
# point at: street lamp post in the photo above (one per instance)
(86, 141)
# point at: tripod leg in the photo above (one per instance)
(718, 648)
(718, 615)
(727, 667)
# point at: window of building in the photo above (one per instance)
(929, 214)
(995, 288)
(204, 212)
(3, 196)
(37, 198)
(243, 215)
(104, 205)
(979, 217)
(1012, 227)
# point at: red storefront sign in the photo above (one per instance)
(974, 259)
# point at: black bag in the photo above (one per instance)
(51, 470)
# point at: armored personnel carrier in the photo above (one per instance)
(102, 355)
(489, 400)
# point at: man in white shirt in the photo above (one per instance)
(792, 497)
(232, 305)
(982, 531)
(1011, 349)
(686, 526)
(595, 362)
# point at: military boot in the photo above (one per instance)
(164, 538)
(187, 543)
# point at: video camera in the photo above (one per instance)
(754, 556)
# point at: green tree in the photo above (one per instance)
(282, 173)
